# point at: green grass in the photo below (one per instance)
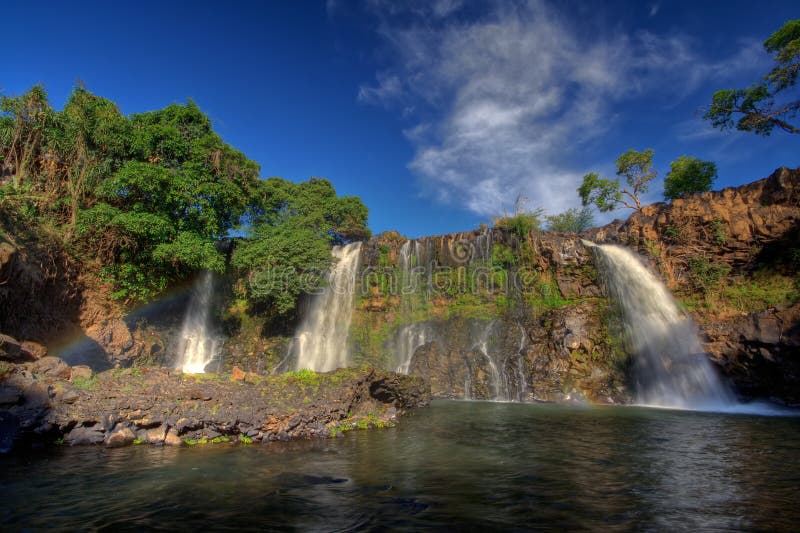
(80, 382)
(760, 292)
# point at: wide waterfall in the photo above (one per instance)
(198, 344)
(321, 341)
(670, 367)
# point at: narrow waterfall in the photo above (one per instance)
(670, 367)
(409, 338)
(198, 344)
(321, 341)
(505, 365)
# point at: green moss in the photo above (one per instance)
(137, 442)
(244, 439)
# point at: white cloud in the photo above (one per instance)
(517, 91)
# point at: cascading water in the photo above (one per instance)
(321, 342)
(409, 339)
(198, 345)
(670, 367)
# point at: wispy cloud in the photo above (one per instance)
(512, 94)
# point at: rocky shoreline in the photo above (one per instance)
(47, 401)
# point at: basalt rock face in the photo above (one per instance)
(760, 352)
(50, 401)
(489, 315)
(738, 225)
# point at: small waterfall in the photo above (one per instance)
(197, 344)
(670, 367)
(409, 338)
(321, 342)
(507, 371)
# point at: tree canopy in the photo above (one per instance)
(607, 195)
(767, 104)
(689, 175)
(147, 196)
(292, 227)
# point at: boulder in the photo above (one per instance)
(10, 348)
(33, 350)
(121, 436)
(80, 372)
(172, 438)
(52, 367)
(85, 435)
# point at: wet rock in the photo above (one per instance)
(85, 435)
(121, 436)
(155, 435)
(172, 438)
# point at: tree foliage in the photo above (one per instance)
(765, 105)
(607, 195)
(147, 196)
(689, 175)
(292, 228)
(571, 221)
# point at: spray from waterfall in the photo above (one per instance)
(670, 366)
(321, 341)
(198, 345)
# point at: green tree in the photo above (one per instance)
(24, 123)
(766, 105)
(156, 218)
(571, 221)
(606, 194)
(292, 228)
(689, 175)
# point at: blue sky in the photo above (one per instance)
(438, 114)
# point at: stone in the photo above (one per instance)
(33, 350)
(85, 435)
(120, 436)
(9, 348)
(155, 435)
(238, 374)
(198, 394)
(172, 438)
(80, 372)
(69, 396)
(52, 367)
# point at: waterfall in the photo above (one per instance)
(197, 344)
(321, 342)
(506, 367)
(670, 367)
(409, 338)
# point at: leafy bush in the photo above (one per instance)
(706, 275)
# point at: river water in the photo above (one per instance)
(462, 465)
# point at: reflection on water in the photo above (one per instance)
(453, 465)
